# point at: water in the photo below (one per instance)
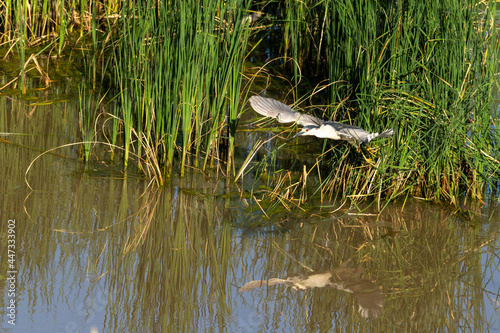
(96, 247)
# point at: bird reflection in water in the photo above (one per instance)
(368, 294)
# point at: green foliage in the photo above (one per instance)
(427, 70)
(33, 22)
(179, 69)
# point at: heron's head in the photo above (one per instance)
(307, 130)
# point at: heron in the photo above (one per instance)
(319, 128)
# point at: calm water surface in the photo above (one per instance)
(97, 248)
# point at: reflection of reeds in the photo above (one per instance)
(170, 246)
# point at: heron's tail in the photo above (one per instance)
(386, 133)
(371, 136)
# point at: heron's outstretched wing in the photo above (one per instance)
(272, 108)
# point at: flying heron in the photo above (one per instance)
(272, 108)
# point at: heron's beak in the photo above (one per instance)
(298, 134)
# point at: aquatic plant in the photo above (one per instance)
(37, 22)
(425, 70)
(178, 66)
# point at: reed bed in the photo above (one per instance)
(425, 70)
(179, 70)
(36, 22)
(425, 268)
(54, 30)
(174, 67)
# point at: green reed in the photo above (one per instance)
(179, 70)
(37, 21)
(27, 27)
(87, 114)
(425, 70)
